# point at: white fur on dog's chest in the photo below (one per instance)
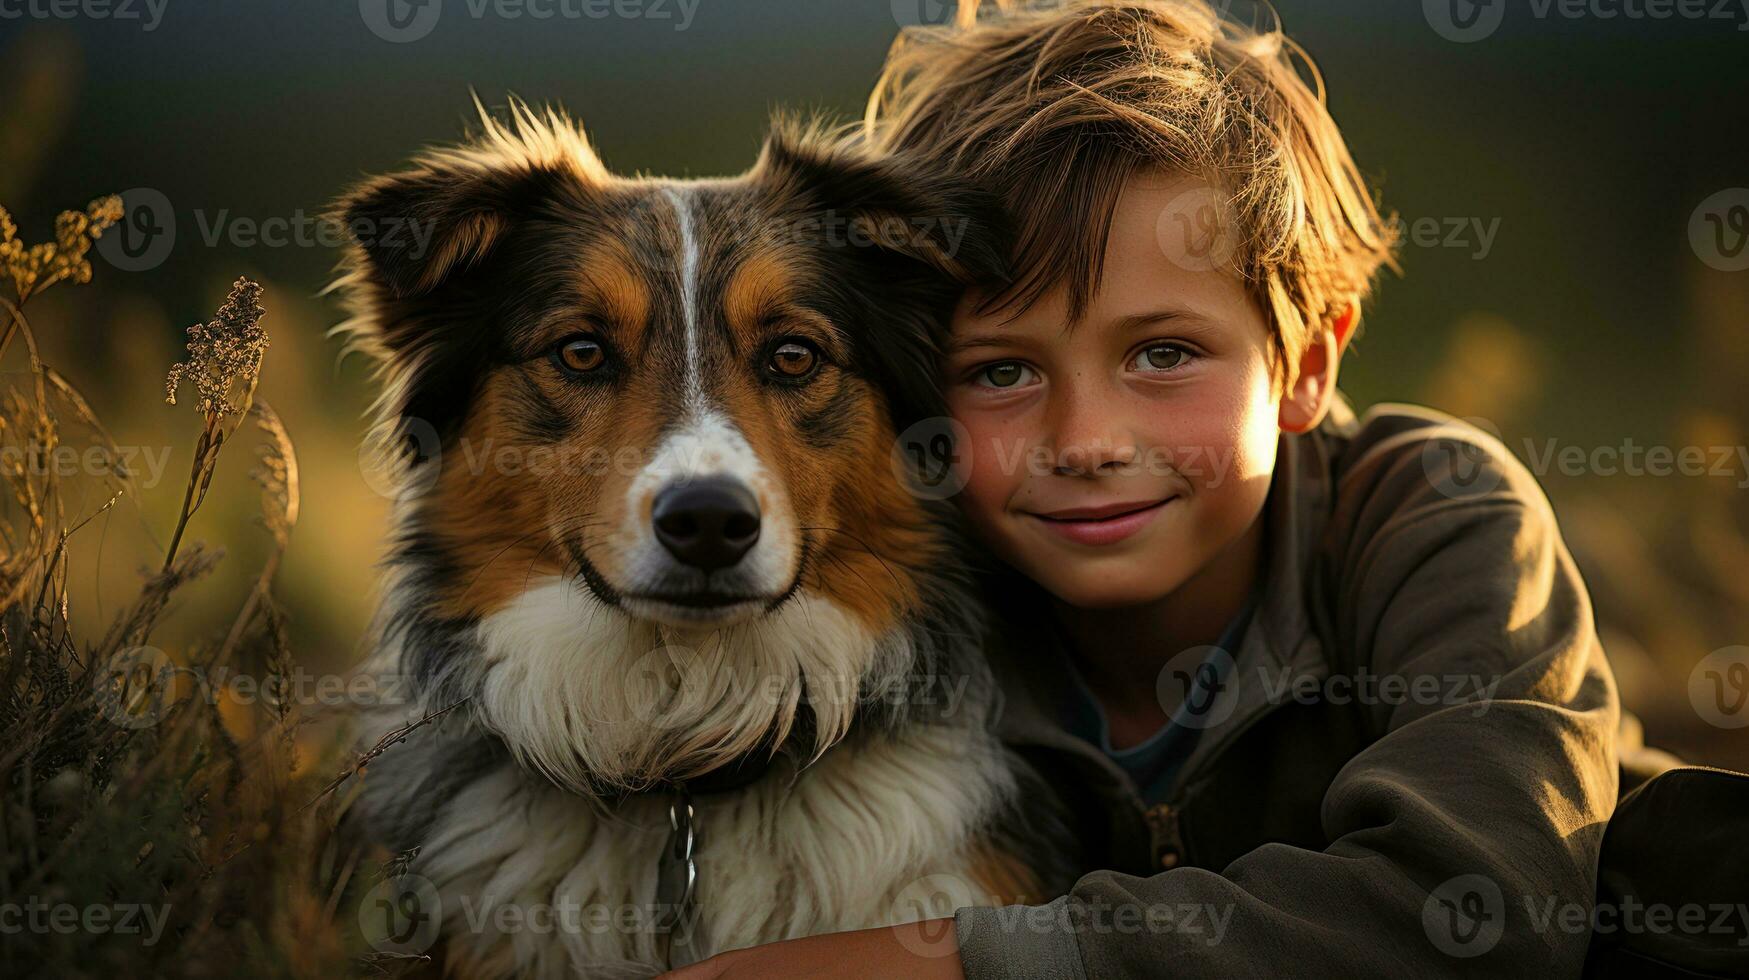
(576, 887)
(537, 880)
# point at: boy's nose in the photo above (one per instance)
(1089, 435)
(1091, 457)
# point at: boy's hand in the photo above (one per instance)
(925, 950)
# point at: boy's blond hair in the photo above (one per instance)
(1056, 104)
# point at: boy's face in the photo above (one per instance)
(1113, 461)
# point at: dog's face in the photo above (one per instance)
(678, 398)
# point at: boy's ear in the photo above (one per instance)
(1304, 405)
(1344, 325)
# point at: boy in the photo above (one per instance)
(1324, 691)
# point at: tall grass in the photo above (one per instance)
(152, 823)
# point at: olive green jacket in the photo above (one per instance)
(1407, 772)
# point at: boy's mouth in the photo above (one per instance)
(1102, 525)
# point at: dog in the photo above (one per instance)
(691, 665)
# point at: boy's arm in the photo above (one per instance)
(1465, 839)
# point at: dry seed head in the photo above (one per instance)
(224, 354)
(65, 257)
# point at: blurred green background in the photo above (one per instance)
(1556, 168)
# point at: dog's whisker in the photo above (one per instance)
(489, 562)
(863, 546)
(840, 561)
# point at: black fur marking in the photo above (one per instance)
(435, 653)
(1036, 826)
(428, 565)
(407, 821)
(591, 576)
(833, 422)
(541, 421)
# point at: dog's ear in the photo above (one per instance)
(416, 229)
(416, 237)
(417, 275)
(904, 239)
(895, 204)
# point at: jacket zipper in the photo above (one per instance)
(1165, 833)
(1168, 844)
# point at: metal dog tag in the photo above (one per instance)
(676, 878)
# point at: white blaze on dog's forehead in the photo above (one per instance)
(706, 442)
(693, 383)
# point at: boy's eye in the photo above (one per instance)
(1161, 357)
(1008, 374)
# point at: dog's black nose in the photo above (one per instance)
(707, 523)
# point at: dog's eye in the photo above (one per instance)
(793, 360)
(579, 355)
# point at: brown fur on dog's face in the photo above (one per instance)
(582, 345)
